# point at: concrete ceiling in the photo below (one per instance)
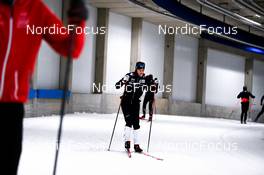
(127, 8)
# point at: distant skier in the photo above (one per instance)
(152, 89)
(130, 103)
(244, 96)
(18, 54)
(262, 110)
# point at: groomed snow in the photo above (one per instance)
(189, 145)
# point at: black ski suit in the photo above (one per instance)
(12, 133)
(244, 95)
(152, 89)
(130, 101)
(262, 110)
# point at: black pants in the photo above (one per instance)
(244, 109)
(260, 113)
(131, 112)
(148, 99)
(12, 131)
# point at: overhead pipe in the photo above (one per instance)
(231, 14)
(257, 6)
(165, 13)
(251, 6)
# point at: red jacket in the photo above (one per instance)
(19, 49)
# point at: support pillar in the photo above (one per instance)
(168, 63)
(249, 74)
(201, 76)
(136, 37)
(101, 48)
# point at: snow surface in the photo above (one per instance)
(188, 145)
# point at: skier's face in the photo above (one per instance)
(140, 72)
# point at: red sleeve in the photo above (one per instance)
(61, 42)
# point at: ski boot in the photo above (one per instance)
(137, 148)
(142, 117)
(127, 145)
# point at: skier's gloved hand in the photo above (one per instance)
(125, 79)
(77, 12)
(118, 85)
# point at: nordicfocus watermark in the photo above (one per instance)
(101, 88)
(57, 29)
(196, 30)
(204, 146)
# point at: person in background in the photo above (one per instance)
(152, 89)
(244, 96)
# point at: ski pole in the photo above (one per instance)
(149, 134)
(155, 106)
(64, 100)
(114, 127)
(150, 127)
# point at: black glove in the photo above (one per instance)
(118, 85)
(77, 11)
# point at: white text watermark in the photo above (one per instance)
(57, 29)
(196, 30)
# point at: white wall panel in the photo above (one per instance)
(118, 51)
(83, 68)
(152, 50)
(225, 78)
(258, 81)
(185, 68)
